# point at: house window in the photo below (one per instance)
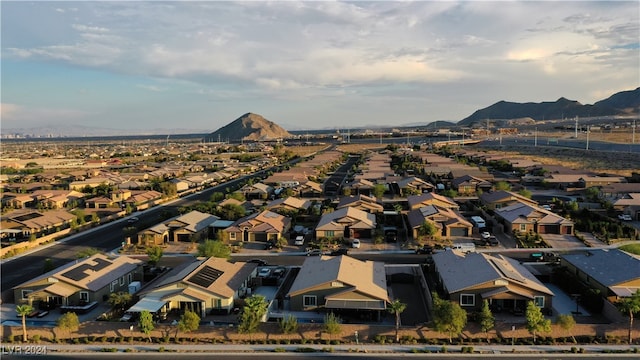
(467, 300)
(329, 233)
(523, 227)
(25, 294)
(122, 281)
(539, 301)
(310, 300)
(232, 236)
(84, 296)
(129, 278)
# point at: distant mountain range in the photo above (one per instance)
(249, 126)
(252, 126)
(622, 103)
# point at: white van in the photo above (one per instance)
(299, 240)
(464, 247)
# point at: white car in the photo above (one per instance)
(485, 235)
(299, 241)
(625, 217)
(355, 243)
(264, 272)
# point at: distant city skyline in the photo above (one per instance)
(305, 64)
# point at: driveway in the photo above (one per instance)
(562, 241)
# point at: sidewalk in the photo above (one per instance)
(406, 350)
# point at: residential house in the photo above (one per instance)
(629, 204)
(362, 202)
(500, 199)
(468, 185)
(449, 223)
(361, 187)
(205, 286)
(309, 189)
(155, 235)
(347, 222)
(80, 283)
(35, 222)
(100, 202)
(261, 226)
(411, 186)
(341, 283)
(524, 218)
(615, 273)
(257, 191)
(469, 279)
(192, 226)
(289, 205)
(425, 199)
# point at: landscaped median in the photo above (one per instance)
(99, 335)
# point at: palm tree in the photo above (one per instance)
(630, 305)
(396, 307)
(24, 310)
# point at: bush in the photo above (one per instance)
(127, 350)
(305, 350)
(279, 349)
(109, 350)
(35, 338)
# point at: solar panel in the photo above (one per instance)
(80, 272)
(508, 272)
(205, 276)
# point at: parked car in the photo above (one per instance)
(485, 235)
(338, 252)
(493, 241)
(269, 245)
(279, 271)
(132, 220)
(264, 272)
(355, 243)
(425, 249)
(260, 262)
(625, 217)
(314, 252)
(299, 240)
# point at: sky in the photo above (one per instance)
(134, 65)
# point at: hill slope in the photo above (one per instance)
(249, 126)
(618, 104)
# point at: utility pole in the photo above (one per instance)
(576, 127)
(587, 137)
(535, 139)
(633, 133)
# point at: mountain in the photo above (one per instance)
(621, 103)
(251, 127)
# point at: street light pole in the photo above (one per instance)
(356, 333)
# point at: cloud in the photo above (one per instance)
(151, 88)
(14, 115)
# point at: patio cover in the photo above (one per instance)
(149, 304)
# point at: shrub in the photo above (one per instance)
(279, 349)
(443, 349)
(305, 350)
(128, 350)
(35, 338)
(109, 349)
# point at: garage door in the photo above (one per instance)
(459, 232)
(261, 237)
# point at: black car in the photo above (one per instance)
(260, 262)
(269, 245)
(338, 252)
(425, 249)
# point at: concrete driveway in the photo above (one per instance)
(562, 241)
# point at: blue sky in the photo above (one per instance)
(305, 64)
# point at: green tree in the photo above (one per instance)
(189, 321)
(68, 322)
(525, 193)
(396, 308)
(630, 306)
(535, 320)
(427, 230)
(486, 319)
(448, 317)
(567, 322)
(378, 190)
(155, 254)
(288, 324)
(502, 185)
(119, 300)
(231, 211)
(214, 248)
(254, 309)
(332, 324)
(23, 311)
(88, 252)
(146, 323)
